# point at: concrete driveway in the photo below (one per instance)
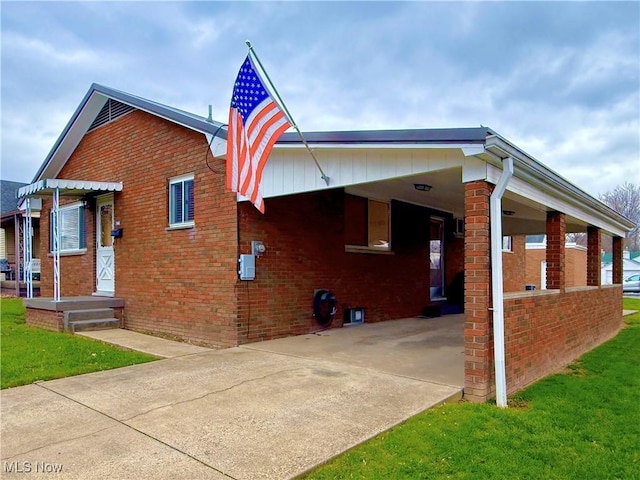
(269, 410)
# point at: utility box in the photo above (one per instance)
(247, 270)
(353, 316)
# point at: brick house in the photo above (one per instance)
(405, 225)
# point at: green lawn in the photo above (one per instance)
(584, 424)
(28, 354)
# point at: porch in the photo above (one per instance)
(74, 314)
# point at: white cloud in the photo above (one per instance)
(558, 79)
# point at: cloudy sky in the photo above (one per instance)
(561, 80)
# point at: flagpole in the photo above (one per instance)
(286, 111)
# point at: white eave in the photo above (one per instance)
(467, 148)
(91, 105)
(47, 186)
(534, 173)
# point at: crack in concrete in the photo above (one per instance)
(216, 392)
(59, 442)
(137, 430)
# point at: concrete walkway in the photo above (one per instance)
(160, 347)
(269, 410)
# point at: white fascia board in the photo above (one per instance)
(546, 180)
(467, 148)
(532, 188)
(72, 135)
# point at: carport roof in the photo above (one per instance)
(418, 136)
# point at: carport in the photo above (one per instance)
(481, 188)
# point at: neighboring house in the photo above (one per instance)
(630, 266)
(404, 224)
(12, 239)
(536, 263)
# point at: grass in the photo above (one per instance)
(28, 354)
(581, 424)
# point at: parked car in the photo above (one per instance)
(632, 284)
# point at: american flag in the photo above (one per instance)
(255, 124)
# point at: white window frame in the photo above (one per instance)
(77, 206)
(173, 181)
(507, 243)
(383, 249)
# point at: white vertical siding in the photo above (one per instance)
(294, 171)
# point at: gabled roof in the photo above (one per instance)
(9, 198)
(91, 105)
(479, 141)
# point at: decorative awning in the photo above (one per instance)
(78, 188)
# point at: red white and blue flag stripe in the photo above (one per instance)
(255, 124)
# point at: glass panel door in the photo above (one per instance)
(436, 258)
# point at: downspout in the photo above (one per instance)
(497, 290)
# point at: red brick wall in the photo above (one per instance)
(513, 265)
(178, 283)
(534, 257)
(304, 238)
(556, 258)
(47, 319)
(478, 331)
(545, 332)
(575, 266)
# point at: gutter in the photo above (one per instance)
(497, 291)
(534, 172)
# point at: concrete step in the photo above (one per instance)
(93, 324)
(88, 314)
(75, 316)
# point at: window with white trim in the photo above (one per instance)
(367, 223)
(507, 244)
(72, 235)
(181, 206)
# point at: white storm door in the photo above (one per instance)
(105, 258)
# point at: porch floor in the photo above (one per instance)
(73, 303)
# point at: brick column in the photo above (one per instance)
(617, 260)
(478, 334)
(594, 255)
(556, 230)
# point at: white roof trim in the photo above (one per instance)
(466, 147)
(46, 187)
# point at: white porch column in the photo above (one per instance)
(27, 233)
(56, 243)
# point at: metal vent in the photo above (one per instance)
(111, 110)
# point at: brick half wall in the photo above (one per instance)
(47, 319)
(546, 331)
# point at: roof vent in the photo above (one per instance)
(111, 110)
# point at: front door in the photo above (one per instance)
(105, 258)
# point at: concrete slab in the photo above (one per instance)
(160, 347)
(47, 434)
(626, 313)
(271, 410)
(429, 349)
